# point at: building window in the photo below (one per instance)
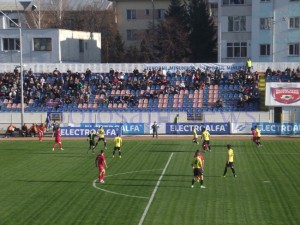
(42, 44)
(131, 35)
(236, 23)
(294, 49)
(265, 23)
(237, 50)
(81, 46)
(265, 50)
(147, 12)
(161, 13)
(233, 2)
(13, 22)
(11, 44)
(294, 23)
(265, 0)
(131, 14)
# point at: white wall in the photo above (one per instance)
(69, 46)
(65, 46)
(77, 118)
(135, 117)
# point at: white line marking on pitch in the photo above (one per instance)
(154, 191)
(117, 193)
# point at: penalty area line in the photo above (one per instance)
(154, 191)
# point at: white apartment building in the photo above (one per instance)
(263, 30)
(134, 17)
(49, 46)
(42, 45)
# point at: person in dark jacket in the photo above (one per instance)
(155, 129)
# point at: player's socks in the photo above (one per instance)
(225, 171)
(233, 171)
(52, 149)
(193, 181)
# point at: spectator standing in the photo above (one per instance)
(249, 65)
(176, 119)
(155, 129)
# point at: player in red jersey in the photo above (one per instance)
(57, 139)
(100, 163)
(254, 135)
(41, 130)
(198, 154)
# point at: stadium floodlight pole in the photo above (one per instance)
(21, 64)
(219, 32)
(153, 13)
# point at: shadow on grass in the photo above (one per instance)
(52, 181)
(168, 151)
(165, 144)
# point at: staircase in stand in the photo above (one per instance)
(262, 92)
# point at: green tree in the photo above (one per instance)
(132, 54)
(116, 50)
(145, 54)
(171, 42)
(203, 38)
(177, 11)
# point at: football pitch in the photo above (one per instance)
(150, 184)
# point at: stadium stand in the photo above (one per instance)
(194, 91)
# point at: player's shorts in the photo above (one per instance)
(92, 142)
(230, 164)
(57, 140)
(101, 167)
(206, 142)
(117, 148)
(198, 172)
(101, 139)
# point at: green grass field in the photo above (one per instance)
(41, 187)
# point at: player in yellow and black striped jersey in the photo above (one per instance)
(205, 136)
(101, 134)
(230, 161)
(195, 136)
(91, 139)
(197, 165)
(118, 144)
(258, 137)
